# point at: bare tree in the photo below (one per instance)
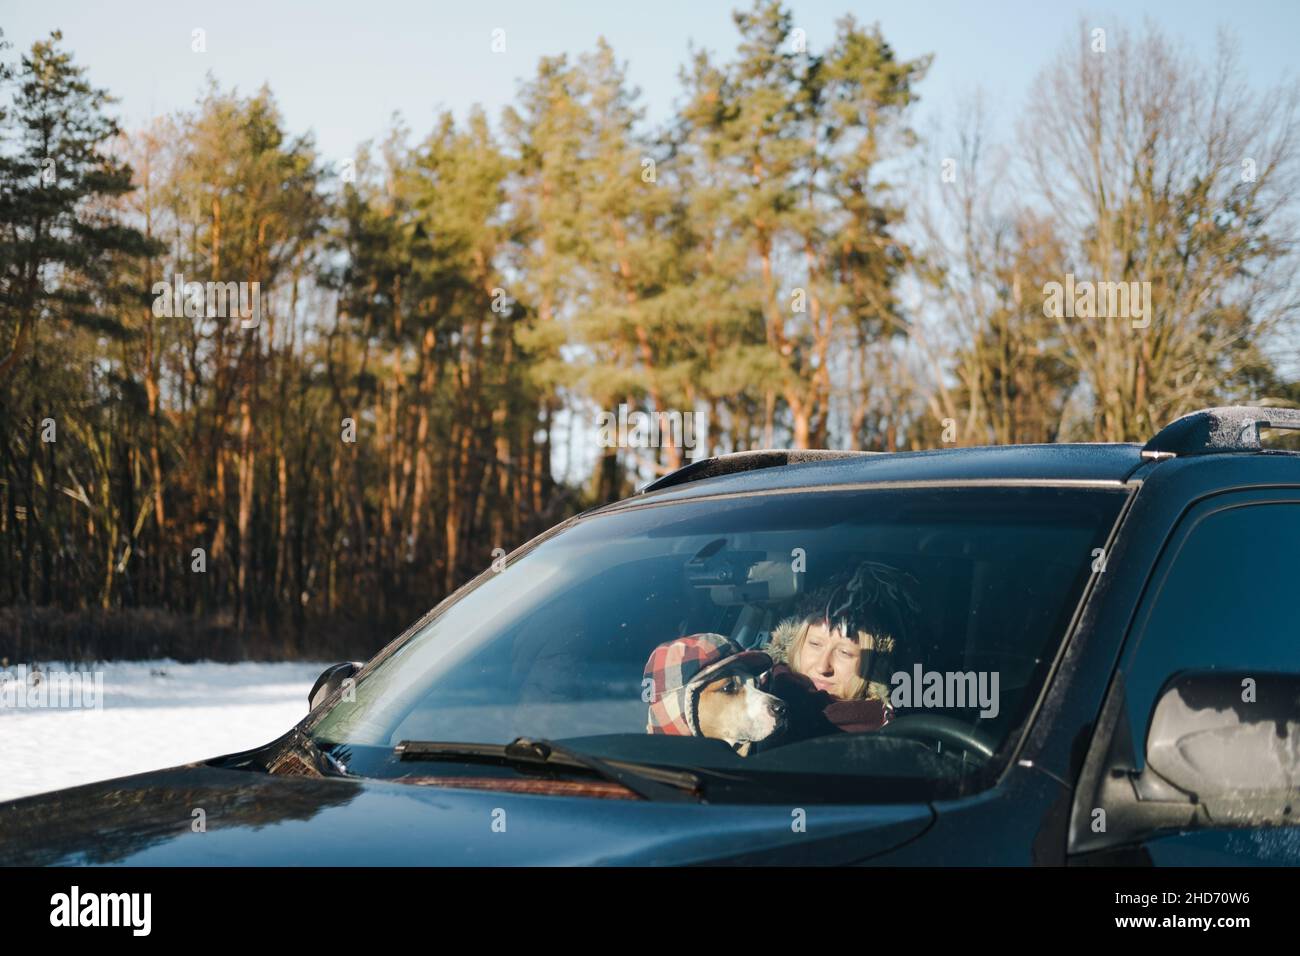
(1154, 169)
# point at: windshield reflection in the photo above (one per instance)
(746, 630)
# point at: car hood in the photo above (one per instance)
(201, 815)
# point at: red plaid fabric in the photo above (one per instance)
(677, 671)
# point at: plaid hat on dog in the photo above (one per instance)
(679, 669)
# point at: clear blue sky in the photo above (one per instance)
(343, 68)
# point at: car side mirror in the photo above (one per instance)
(1228, 743)
(330, 680)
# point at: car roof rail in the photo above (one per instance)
(740, 461)
(1211, 430)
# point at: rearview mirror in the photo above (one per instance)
(330, 680)
(1228, 744)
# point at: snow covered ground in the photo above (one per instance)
(154, 714)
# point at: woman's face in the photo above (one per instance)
(829, 660)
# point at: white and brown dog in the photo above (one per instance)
(704, 685)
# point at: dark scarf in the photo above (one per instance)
(815, 713)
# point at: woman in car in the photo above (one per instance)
(833, 658)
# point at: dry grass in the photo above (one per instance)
(46, 633)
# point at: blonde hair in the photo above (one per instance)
(861, 687)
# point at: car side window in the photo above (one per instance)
(1227, 598)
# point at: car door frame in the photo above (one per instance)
(1175, 500)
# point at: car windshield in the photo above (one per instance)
(907, 633)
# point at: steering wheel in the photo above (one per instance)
(948, 730)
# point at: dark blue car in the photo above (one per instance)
(1081, 654)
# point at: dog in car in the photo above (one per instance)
(706, 685)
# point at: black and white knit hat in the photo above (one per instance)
(874, 598)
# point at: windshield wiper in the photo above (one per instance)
(645, 780)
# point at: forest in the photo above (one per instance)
(257, 404)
